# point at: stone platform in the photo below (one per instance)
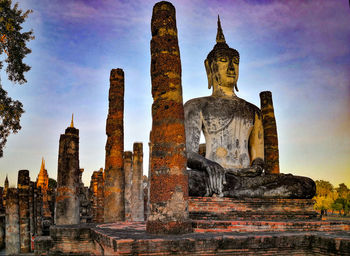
(132, 239)
(215, 208)
(221, 226)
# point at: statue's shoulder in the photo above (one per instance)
(196, 103)
(250, 106)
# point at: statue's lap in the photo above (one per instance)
(265, 186)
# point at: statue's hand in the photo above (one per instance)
(216, 178)
(254, 170)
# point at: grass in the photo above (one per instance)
(337, 218)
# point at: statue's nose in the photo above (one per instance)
(230, 66)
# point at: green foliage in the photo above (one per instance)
(323, 188)
(342, 190)
(52, 183)
(10, 113)
(329, 198)
(13, 48)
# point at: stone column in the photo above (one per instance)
(67, 210)
(38, 205)
(12, 223)
(97, 189)
(168, 177)
(137, 207)
(114, 174)
(31, 210)
(24, 221)
(270, 133)
(100, 196)
(128, 171)
(93, 189)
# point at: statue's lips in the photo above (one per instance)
(231, 75)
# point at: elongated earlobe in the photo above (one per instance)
(209, 73)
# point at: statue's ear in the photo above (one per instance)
(209, 73)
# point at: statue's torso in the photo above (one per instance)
(227, 124)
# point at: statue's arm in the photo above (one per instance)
(256, 144)
(193, 127)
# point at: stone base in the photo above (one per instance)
(173, 227)
(216, 208)
(269, 226)
(131, 239)
(221, 226)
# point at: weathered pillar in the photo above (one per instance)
(100, 196)
(114, 174)
(38, 205)
(6, 186)
(168, 179)
(31, 210)
(93, 189)
(137, 207)
(97, 189)
(12, 223)
(128, 171)
(67, 200)
(270, 133)
(145, 196)
(24, 221)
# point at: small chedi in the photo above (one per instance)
(233, 165)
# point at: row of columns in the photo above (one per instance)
(118, 192)
(23, 215)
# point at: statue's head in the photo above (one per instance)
(222, 63)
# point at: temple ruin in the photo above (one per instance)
(224, 197)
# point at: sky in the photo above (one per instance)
(299, 50)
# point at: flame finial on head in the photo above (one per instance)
(72, 122)
(220, 38)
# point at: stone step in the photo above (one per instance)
(214, 208)
(202, 226)
(236, 215)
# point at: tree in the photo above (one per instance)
(325, 196)
(52, 184)
(13, 47)
(323, 188)
(342, 190)
(343, 199)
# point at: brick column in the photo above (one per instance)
(114, 174)
(270, 133)
(67, 210)
(137, 207)
(100, 196)
(24, 221)
(93, 189)
(168, 179)
(31, 209)
(12, 223)
(38, 206)
(128, 170)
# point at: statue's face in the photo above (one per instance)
(226, 71)
(222, 70)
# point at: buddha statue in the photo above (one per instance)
(233, 165)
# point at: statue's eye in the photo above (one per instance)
(235, 60)
(223, 59)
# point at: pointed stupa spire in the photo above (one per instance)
(72, 123)
(42, 168)
(6, 181)
(220, 38)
